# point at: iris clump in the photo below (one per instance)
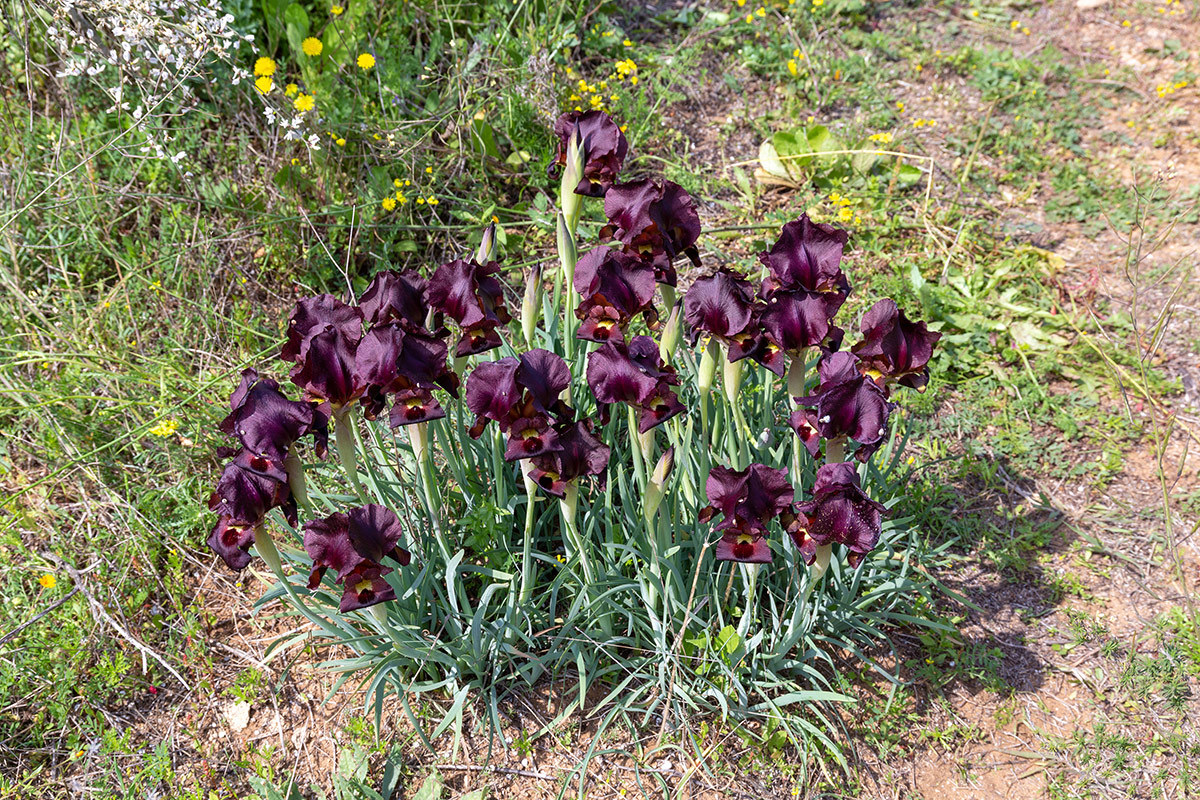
(788, 473)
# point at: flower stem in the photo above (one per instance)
(750, 576)
(527, 568)
(568, 507)
(635, 442)
(295, 472)
(347, 450)
(419, 433)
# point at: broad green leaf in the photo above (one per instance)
(295, 19)
(773, 170)
(431, 790)
(908, 175)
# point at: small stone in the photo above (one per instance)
(238, 715)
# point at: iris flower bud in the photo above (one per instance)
(567, 250)
(670, 333)
(531, 305)
(656, 487)
(570, 202)
(487, 245)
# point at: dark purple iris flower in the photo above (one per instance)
(634, 374)
(523, 397)
(722, 305)
(396, 297)
(231, 541)
(748, 500)
(656, 222)
(794, 320)
(603, 146)
(807, 255)
(317, 315)
(325, 371)
(579, 454)
(847, 403)
(840, 512)
(894, 347)
(249, 487)
(353, 545)
(803, 290)
(267, 423)
(394, 360)
(613, 288)
(473, 297)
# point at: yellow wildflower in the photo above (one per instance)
(263, 84)
(433, 201)
(792, 67)
(340, 142)
(304, 102)
(762, 12)
(429, 170)
(291, 89)
(336, 10)
(884, 137)
(397, 183)
(48, 581)
(265, 67)
(365, 60)
(165, 427)
(627, 43)
(389, 203)
(312, 46)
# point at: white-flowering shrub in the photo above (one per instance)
(146, 55)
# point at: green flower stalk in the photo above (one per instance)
(568, 251)
(668, 294)
(707, 373)
(266, 548)
(527, 568)
(296, 481)
(419, 439)
(638, 449)
(568, 256)
(346, 446)
(795, 377)
(732, 374)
